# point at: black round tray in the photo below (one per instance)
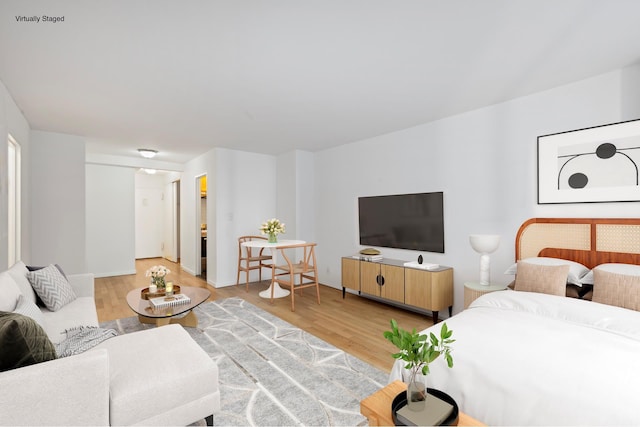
(401, 400)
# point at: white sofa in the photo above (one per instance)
(115, 383)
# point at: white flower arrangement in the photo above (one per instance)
(157, 274)
(157, 271)
(272, 227)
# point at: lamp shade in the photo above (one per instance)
(484, 243)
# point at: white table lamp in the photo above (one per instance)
(484, 244)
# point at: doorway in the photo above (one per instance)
(201, 224)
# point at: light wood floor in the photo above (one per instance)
(353, 324)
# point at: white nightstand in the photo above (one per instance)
(473, 290)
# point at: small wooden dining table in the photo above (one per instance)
(278, 292)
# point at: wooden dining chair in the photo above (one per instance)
(297, 276)
(251, 259)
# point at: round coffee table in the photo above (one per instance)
(164, 316)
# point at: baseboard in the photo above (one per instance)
(115, 273)
(188, 270)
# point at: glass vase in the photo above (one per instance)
(417, 392)
(273, 238)
(159, 282)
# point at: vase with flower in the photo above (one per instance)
(272, 228)
(158, 274)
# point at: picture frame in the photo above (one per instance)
(592, 165)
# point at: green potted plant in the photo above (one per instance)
(418, 351)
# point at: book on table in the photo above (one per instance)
(169, 301)
(434, 413)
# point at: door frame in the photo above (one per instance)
(198, 230)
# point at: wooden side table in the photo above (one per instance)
(377, 407)
(473, 290)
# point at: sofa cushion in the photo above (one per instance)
(79, 312)
(9, 292)
(19, 273)
(22, 342)
(29, 308)
(187, 373)
(52, 287)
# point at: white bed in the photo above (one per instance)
(527, 358)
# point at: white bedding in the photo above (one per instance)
(525, 358)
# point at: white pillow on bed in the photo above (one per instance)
(626, 269)
(576, 270)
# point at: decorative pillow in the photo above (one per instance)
(576, 270)
(545, 279)
(52, 287)
(29, 308)
(35, 268)
(626, 269)
(22, 342)
(19, 273)
(621, 290)
(9, 292)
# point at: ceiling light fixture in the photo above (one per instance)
(147, 152)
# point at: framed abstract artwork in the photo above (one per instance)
(597, 164)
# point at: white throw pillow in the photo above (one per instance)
(9, 292)
(625, 269)
(19, 273)
(29, 308)
(52, 287)
(576, 270)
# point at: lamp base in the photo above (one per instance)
(485, 269)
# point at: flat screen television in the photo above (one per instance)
(403, 221)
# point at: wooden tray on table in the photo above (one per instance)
(145, 294)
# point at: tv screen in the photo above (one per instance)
(403, 221)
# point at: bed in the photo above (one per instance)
(535, 358)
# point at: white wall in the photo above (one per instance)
(58, 201)
(241, 194)
(295, 194)
(13, 122)
(305, 196)
(189, 202)
(110, 232)
(245, 195)
(484, 161)
(286, 206)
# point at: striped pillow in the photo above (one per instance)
(52, 287)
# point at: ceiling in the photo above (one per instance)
(184, 76)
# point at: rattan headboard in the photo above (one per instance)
(589, 241)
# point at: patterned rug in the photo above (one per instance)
(273, 373)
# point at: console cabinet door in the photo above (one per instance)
(351, 273)
(393, 288)
(369, 272)
(418, 288)
(431, 290)
(442, 289)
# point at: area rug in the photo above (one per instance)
(273, 373)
